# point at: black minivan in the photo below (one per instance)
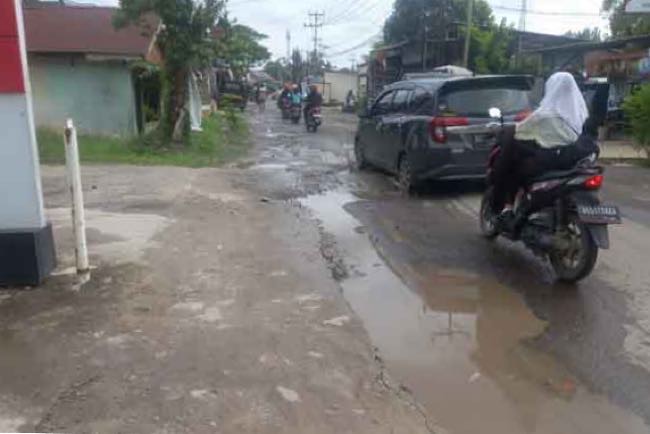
(437, 128)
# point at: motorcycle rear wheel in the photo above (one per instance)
(487, 219)
(577, 262)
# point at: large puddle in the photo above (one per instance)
(462, 344)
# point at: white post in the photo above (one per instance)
(73, 175)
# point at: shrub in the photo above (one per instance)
(637, 113)
(230, 103)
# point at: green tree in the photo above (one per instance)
(637, 112)
(240, 46)
(623, 24)
(492, 44)
(490, 49)
(184, 42)
(298, 66)
(318, 64)
(409, 18)
(586, 34)
(277, 69)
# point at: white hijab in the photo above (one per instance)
(560, 117)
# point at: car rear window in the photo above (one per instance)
(477, 101)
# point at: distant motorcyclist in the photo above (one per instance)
(350, 99)
(314, 99)
(296, 95)
(260, 96)
(284, 95)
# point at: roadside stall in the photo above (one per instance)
(624, 71)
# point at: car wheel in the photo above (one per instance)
(405, 179)
(361, 163)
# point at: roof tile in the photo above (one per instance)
(84, 29)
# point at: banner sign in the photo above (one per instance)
(637, 6)
(11, 70)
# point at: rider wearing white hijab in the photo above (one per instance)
(560, 117)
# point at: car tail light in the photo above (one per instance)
(595, 182)
(523, 115)
(438, 127)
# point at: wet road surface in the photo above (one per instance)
(478, 332)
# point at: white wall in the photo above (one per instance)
(338, 85)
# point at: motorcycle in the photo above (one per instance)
(286, 108)
(314, 119)
(559, 216)
(295, 113)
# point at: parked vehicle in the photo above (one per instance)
(234, 92)
(314, 119)
(559, 215)
(412, 128)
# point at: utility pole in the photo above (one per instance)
(315, 23)
(523, 16)
(522, 27)
(289, 61)
(468, 31)
(424, 43)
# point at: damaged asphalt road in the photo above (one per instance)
(479, 333)
(291, 294)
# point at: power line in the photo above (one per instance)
(333, 14)
(355, 9)
(356, 47)
(549, 13)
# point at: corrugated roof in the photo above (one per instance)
(642, 41)
(84, 29)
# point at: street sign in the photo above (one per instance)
(637, 6)
(11, 72)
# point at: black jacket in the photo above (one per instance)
(314, 99)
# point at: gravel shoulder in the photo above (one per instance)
(210, 310)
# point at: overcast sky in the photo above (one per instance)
(352, 25)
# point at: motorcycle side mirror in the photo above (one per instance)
(495, 113)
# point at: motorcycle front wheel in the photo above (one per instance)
(578, 261)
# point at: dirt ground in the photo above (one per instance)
(210, 309)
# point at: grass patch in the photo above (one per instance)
(220, 142)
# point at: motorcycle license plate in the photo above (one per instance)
(599, 214)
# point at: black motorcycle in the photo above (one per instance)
(559, 216)
(314, 119)
(285, 107)
(295, 112)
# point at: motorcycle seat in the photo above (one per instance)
(587, 164)
(558, 174)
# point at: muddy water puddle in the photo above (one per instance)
(464, 345)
